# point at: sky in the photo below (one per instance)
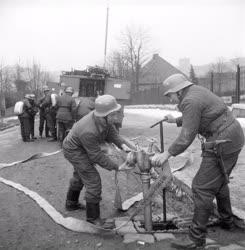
(65, 34)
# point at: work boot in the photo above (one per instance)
(188, 244)
(72, 202)
(71, 206)
(93, 216)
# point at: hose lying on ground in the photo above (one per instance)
(33, 157)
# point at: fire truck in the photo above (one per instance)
(96, 81)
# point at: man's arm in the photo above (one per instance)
(92, 147)
(190, 124)
(114, 137)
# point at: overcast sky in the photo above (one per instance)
(65, 34)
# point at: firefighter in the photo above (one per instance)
(81, 148)
(42, 116)
(85, 105)
(50, 114)
(25, 125)
(66, 108)
(206, 115)
(33, 112)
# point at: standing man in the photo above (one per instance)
(50, 114)
(206, 115)
(66, 108)
(25, 125)
(42, 114)
(82, 149)
(33, 112)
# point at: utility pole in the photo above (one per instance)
(212, 82)
(106, 32)
(238, 84)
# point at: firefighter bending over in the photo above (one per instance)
(205, 114)
(82, 149)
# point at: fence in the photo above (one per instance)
(223, 84)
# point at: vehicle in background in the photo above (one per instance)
(96, 81)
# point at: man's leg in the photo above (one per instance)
(46, 129)
(223, 195)
(22, 129)
(41, 123)
(27, 128)
(72, 197)
(205, 185)
(51, 126)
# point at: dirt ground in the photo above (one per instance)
(24, 225)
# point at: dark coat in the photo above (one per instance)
(66, 108)
(27, 109)
(84, 140)
(205, 113)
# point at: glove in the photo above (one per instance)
(159, 159)
(170, 118)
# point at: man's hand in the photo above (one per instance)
(159, 159)
(126, 148)
(170, 118)
(125, 167)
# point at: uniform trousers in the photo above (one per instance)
(84, 174)
(208, 184)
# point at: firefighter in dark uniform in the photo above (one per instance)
(85, 106)
(25, 126)
(42, 115)
(50, 114)
(81, 148)
(66, 108)
(205, 114)
(33, 112)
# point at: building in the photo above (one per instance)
(155, 72)
(185, 65)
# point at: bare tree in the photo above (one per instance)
(133, 53)
(219, 68)
(5, 82)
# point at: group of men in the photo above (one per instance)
(57, 114)
(203, 114)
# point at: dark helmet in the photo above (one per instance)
(175, 83)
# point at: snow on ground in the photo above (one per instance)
(159, 113)
(155, 111)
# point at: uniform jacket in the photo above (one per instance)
(34, 108)
(27, 108)
(84, 107)
(85, 138)
(47, 105)
(66, 108)
(206, 114)
(39, 103)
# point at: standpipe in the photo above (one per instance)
(144, 165)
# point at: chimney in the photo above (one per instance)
(155, 56)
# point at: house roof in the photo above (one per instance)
(157, 70)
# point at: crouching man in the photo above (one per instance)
(82, 149)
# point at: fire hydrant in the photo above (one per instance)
(143, 162)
